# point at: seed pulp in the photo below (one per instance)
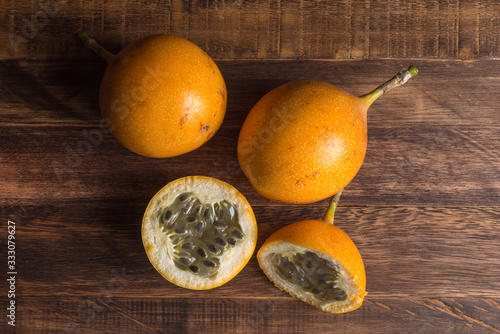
(200, 233)
(311, 273)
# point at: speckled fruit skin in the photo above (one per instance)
(303, 141)
(162, 96)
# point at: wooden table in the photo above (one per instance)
(424, 209)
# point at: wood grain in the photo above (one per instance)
(423, 210)
(107, 313)
(446, 93)
(258, 29)
(404, 250)
(404, 165)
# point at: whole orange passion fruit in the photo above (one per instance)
(162, 95)
(305, 140)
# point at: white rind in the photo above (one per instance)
(160, 249)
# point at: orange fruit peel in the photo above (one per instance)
(306, 140)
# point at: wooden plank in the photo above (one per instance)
(108, 313)
(291, 27)
(411, 252)
(360, 29)
(242, 29)
(404, 165)
(448, 29)
(66, 91)
(325, 29)
(423, 210)
(468, 41)
(261, 29)
(489, 39)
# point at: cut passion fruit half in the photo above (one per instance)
(316, 262)
(199, 232)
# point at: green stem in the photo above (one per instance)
(399, 79)
(330, 212)
(94, 46)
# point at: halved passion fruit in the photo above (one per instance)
(199, 232)
(316, 262)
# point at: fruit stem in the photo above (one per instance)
(94, 46)
(398, 80)
(330, 212)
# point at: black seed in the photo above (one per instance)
(285, 262)
(339, 293)
(194, 269)
(213, 249)
(309, 255)
(183, 197)
(180, 229)
(168, 215)
(209, 263)
(188, 245)
(299, 281)
(220, 224)
(202, 252)
(198, 227)
(220, 242)
(189, 205)
(207, 214)
(190, 219)
(237, 234)
(329, 264)
(340, 296)
(185, 261)
(231, 241)
(316, 291)
(216, 209)
(175, 239)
